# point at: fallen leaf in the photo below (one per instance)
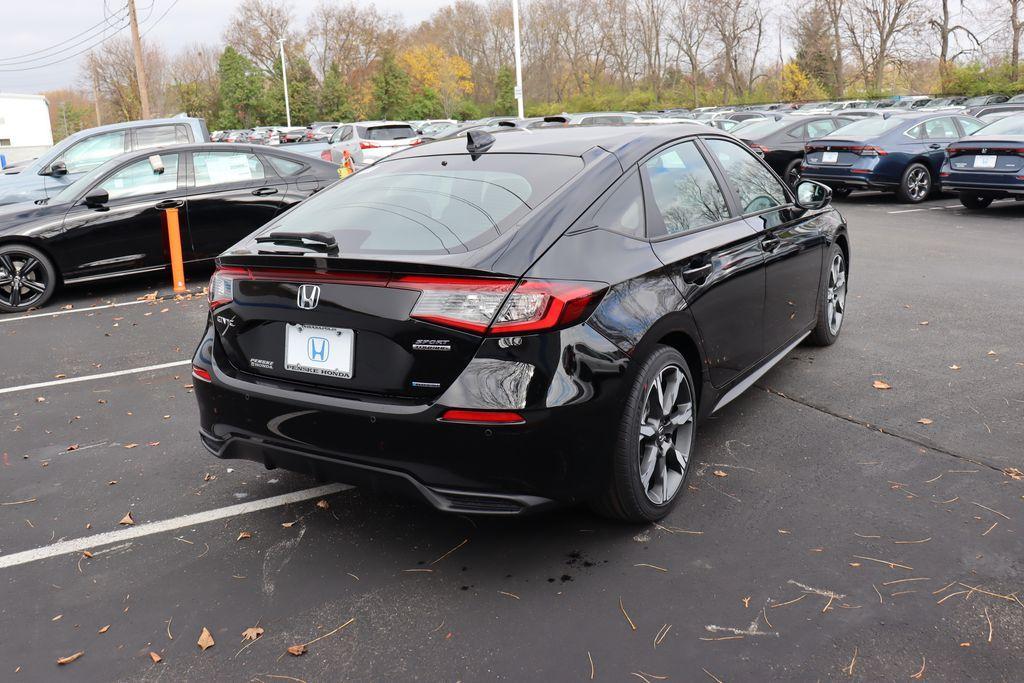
(147, 297)
(101, 400)
(925, 421)
(72, 447)
(244, 534)
(720, 473)
(112, 482)
(131, 445)
(205, 640)
(57, 618)
(323, 504)
(297, 650)
(127, 519)
(40, 399)
(70, 658)
(879, 384)
(991, 353)
(954, 367)
(59, 375)
(1014, 473)
(252, 633)
(923, 322)
(209, 477)
(104, 629)
(153, 443)
(86, 553)
(155, 657)
(288, 525)
(746, 602)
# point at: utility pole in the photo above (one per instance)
(96, 92)
(284, 75)
(519, 59)
(140, 69)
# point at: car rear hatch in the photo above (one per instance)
(379, 141)
(986, 156)
(837, 153)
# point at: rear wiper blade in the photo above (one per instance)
(313, 241)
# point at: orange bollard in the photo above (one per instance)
(174, 242)
(347, 167)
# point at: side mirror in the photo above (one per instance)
(96, 198)
(812, 195)
(58, 168)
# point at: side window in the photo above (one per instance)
(155, 136)
(941, 129)
(181, 135)
(816, 129)
(143, 177)
(757, 188)
(684, 191)
(798, 132)
(623, 211)
(969, 125)
(917, 132)
(221, 168)
(285, 167)
(91, 152)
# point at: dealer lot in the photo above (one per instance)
(847, 539)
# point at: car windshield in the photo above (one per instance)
(975, 101)
(398, 132)
(760, 128)
(431, 205)
(865, 128)
(1011, 125)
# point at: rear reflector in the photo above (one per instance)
(199, 373)
(482, 417)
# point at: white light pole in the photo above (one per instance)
(519, 59)
(284, 75)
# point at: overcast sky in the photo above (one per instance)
(31, 26)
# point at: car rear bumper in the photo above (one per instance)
(988, 189)
(855, 181)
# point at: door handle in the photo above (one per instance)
(695, 276)
(935, 145)
(770, 243)
(170, 204)
(264, 191)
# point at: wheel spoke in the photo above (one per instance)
(648, 460)
(6, 263)
(682, 414)
(28, 266)
(15, 296)
(34, 285)
(657, 399)
(671, 388)
(647, 430)
(841, 280)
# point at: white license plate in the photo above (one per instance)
(987, 161)
(319, 350)
(829, 157)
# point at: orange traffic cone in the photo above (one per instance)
(346, 168)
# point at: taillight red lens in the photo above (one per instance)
(760, 148)
(869, 151)
(222, 286)
(482, 416)
(326, 155)
(367, 145)
(201, 374)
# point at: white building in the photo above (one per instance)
(24, 126)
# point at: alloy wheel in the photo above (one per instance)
(23, 279)
(918, 183)
(666, 434)
(835, 295)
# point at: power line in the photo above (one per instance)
(158, 19)
(52, 52)
(105, 22)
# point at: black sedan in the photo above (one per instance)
(111, 220)
(499, 323)
(987, 165)
(780, 139)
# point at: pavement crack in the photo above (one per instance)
(882, 430)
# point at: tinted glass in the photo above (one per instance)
(386, 132)
(759, 129)
(941, 129)
(866, 127)
(816, 129)
(623, 211)
(969, 125)
(757, 188)
(91, 152)
(419, 206)
(285, 167)
(157, 136)
(141, 178)
(219, 168)
(1011, 125)
(684, 190)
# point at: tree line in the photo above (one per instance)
(348, 61)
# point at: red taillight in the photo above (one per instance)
(869, 151)
(367, 145)
(222, 285)
(417, 141)
(497, 417)
(759, 148)
(326, 155)
(201, 374)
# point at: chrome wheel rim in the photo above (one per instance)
(23, 280)
(666, 434)
(835, 294)
(918, 182)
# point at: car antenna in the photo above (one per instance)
(478, 142)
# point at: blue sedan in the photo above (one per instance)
(988, 164)
(901, 153)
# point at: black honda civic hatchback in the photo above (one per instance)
(498, 323)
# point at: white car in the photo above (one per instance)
(370, 141)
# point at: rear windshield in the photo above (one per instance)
(431, 205)
(1011, 125)
(865, 128)
(386, 132)
(759, 129)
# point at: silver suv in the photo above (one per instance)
(370, 141)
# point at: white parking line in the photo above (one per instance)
(73, 310)
(79, 544)
(905, 211)
(86, 378)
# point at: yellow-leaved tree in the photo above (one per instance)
(796, 86)
(431, 68)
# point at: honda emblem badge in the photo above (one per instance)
(309, 296)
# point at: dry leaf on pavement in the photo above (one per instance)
(879, 384)
(155, 657)
(925, 421)
(720, 473)
(323, 504)
(288, 525)
(131, 445)
(252, 633)
(297, 650)
(205, 640)
(105, 629)
(1014, 473)
(70, 658)
(127, 519)
(954, 367)
(244, 534)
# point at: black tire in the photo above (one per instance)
(827, 330)
(973, 200)
(841, 192)
(915, 185)
(627, 497)
(27, 278)
(792, 175)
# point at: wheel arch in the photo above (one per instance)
(686, 345)
(35, 244)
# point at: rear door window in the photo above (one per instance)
(93, 151)
(431, 205)
(224, 168)
(941, 129)
(685, 191)
(285, 167)
(816, 129)
(159, 136)
(623, 211)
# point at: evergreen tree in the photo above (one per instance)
(505, 103)
(336, 97)
(391, 92)
(241, 89)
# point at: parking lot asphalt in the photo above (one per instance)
(830, 531)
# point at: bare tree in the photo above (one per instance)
(739, 28)
(254, 29)
(689, 30)
(947, 31)
(349, 35)
(874, 29)
(649, 18)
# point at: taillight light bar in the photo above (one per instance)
(759, 147)
(367, 145)
(491, 306)
(201, 374)
(494, 417)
